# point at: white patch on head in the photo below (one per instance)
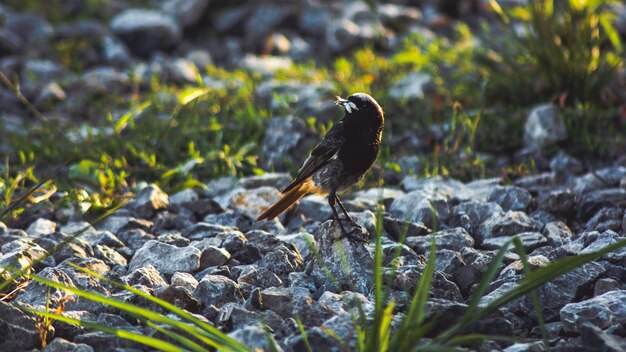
(349, 106)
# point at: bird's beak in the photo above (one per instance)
(347, 104)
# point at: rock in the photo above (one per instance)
(606, 219)
(19, 330)
(508, 224)
(149, 200)
(598, 179)
(558, 202)
(115, 52)
(285, 140)
(544, 127)
(187, 12)
(230, 218)
(592, 202)
(410, 87)
(167, 259)
(510, 197)
(476, 213)
(557, 233)
(537, 346)
(10, 43)
(454, 239)
(253, 202)
(41, 227)
(282, 260)
(213, 256)
(62, 345)
(564, 166)
(146, 31)
(594, 338)
(34, 30)
(260, 277)
(217, 290)
(265, 65)
(255, 338)
(421, 207)
(397, 229)
(601, 311)
(589, 242)
(178, 296)
(279, 300)
(530, 241)
(185, 280)
(146, 276)
(109, 256)
(605, 285)
(266, 18)
(135, 239)
(347, 262)
(552, 296)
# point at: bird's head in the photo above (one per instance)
(361, 103)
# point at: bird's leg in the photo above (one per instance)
(345, 212)
(331, 201)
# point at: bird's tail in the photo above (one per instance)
(288, 199)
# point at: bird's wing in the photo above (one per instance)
(321, 154)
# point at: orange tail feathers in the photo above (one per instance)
(287, 200)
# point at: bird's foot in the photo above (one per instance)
(355, 233)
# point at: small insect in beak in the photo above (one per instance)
(347, 104)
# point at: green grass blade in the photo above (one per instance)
(216, 341)
(182, 339)
(207, 330)
(469, 316)
(305, 338)
(533, 294)
(125, 334)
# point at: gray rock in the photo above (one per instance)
(230, 218)
(265, 65)
(35, 293)
(602, 311)
(270, 179)
(146, 276)
(589, 242)
(213, 256)
(149, 200)
(564, 166)
(454, 239)
(217, 290)
(544, 127)
(135, 239)
(559, 202)
(556, 233)
(530, 241)
(285, 140)
(178, 296)
(252, 202)
(185, 280)
(598, 179)
(476, 213)
(553, 296)
(109, 255)
(115, 52)
(410, 87)
(333, 257)
(279, 300)
(18, 328)
(260, 277)
(62, 345)
(508, 224)
(510, 197)
(41, 227)
(255, 338)
(165, 258)
(397, 229)
(187, 12)
(537, 346)
(421, 207)
(33, 29)
(266, 18)
(146, 31)
(594, 338)
(605, 285)
(282, 260)
(10, 43)
(593, 201)
(606, 219)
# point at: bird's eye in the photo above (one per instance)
(350, 106)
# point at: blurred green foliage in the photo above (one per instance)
(481, 85)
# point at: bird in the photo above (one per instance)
(337, 163)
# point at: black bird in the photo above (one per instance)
(342, 157)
